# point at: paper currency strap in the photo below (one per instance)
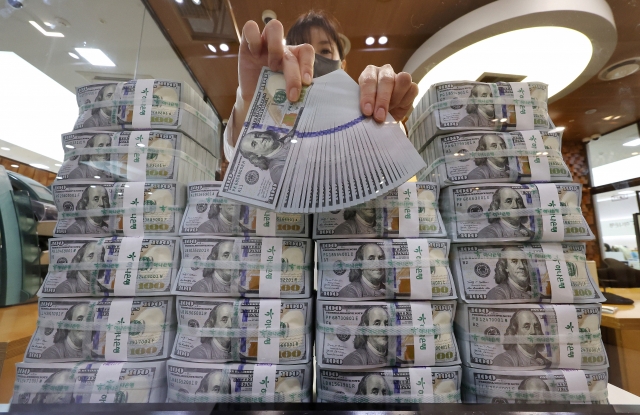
(426, 330)
(139, 209)
(155, 103)
(533, 102)
(375, 203)
(78, 380)
(243, 265)
(135, 327)
(331, 396)
(244, 332)
(563, 338)
(125, 150)
(552, 396)
(242, 397)
(505, 213)
(511, 254)
(387, 263)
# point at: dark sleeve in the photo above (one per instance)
(343, 229)
(74, 229)
(488, 232)
(64, 287)
(198, 353)
(468, 121)
(199, 287)
(476, 174)
(354, 359)
(275, 170)
(504, 360)
(349, 291)
(497, 293)
(51, 352)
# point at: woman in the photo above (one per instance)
(312, 43)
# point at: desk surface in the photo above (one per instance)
(628, 316)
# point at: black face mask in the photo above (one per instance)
(323, 66)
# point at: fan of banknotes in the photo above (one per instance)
(318, 154)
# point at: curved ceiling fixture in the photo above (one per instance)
(560, 42)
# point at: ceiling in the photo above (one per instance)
(407, 24)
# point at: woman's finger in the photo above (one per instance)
(273, 34)
(368, 82)
(306, 57)
(385, 86)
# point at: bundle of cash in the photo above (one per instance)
(493, 157)
(90, 382)
(209, 214)
(317, 154)
(146, 104)
(233, 382)
(363, 269)
(134, 156)
(128, 208)
(111, 329)
(250, 267)
(377, 333)
(526, 337)
(249, 330)
(111, 266)
(514, 212)
(535, 386)
(467, 106)
(523, 273)
(409, 211)
(397, 385)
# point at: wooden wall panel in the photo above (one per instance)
(44, 177)
(575, 155)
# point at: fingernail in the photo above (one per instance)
(306, 78)
(294, 94)
(368, 109)
(380, 114)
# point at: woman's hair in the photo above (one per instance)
(300, 32)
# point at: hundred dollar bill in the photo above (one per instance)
(524, 273)
(238, 382)
(134, 156)
(90, 382)
(80, 197)
(146, 104)
(467, 106)
(386, 217)
(398, 385)
(514, 212)
(525, 337)
(493, 157)
(209, 214)
(535, 386)
(359, 269)
(256, 330)
(250, 267)
(103, 266)
(377, 333)
(127, 209)
(111, 329)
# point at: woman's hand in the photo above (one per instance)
(383, 91)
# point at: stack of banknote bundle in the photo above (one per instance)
(365, 349)
(244, 309)
(146, 104)
(135, 156)
(90, 382)
(386, 216)
(528, 321)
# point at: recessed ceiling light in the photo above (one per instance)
(179, 1)
(15, 166)
(39, 166)
(5, 148)
(383, 40)
(591, 111)
(635, 153)
(370, 40)
(557, 129)
(58, 164)
(620, 69)
(44, 32)
(96, 177)
(197, 2)
(73, 55)
(608, 118)
(49, 25)
(96, 57)
(224, 47)
(617, 117)
(632, 143)
(212, 48)
(476, 36)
